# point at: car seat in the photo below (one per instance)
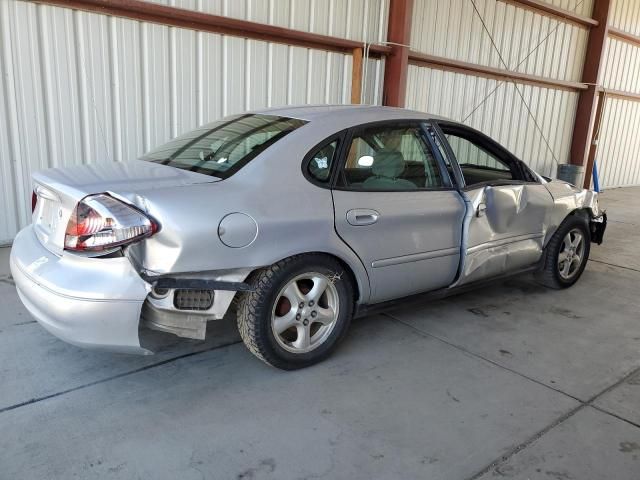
(387, 167)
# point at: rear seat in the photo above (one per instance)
(414, 172)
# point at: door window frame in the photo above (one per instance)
(492, 147)
(423, 126)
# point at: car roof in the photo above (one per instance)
(348, 115)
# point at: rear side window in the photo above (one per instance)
(390, 158)
(321, 161)
(224, 147)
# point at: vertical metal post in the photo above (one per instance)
(397, 63)
(581, 142)
(593, 147)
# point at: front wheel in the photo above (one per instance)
(566, 255)
(298, 311)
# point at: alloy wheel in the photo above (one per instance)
(571, 254)
(305, 312)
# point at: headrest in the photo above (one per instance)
(389, 164)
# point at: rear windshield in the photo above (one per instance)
(222, 148)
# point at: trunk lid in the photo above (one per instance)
(60, 189)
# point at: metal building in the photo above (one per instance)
(89, 81)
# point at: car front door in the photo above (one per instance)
(509, 208)
(396, 209)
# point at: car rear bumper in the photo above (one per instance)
(89, 302)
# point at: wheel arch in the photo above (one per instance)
(569, 200)
(359, 281)
(585, 212)
(549, 273)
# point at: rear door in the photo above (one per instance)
(509, 207)
(396, 208)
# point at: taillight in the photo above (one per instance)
(34, 201)
(100, 222)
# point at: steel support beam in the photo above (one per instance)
(450, 65)
(581, 141)
(397, 63)
(146, 11)
(546, 8)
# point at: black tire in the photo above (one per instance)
(255, 309)
(549, 272)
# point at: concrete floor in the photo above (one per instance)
(511, 381)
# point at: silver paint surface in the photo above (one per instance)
(414, 245)
(237, 230)
(417, 240)
(84, 301)
(507, 234)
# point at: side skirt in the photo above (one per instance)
(364, 310)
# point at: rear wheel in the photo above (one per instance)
(298, 311)
(566, 255)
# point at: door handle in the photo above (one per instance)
(362, 216)
(482, 209)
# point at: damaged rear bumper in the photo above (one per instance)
(182, 305)
(102, 303)
(88, 302)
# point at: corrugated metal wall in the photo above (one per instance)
(452, 29)
(581, 7)
(529, 43)
(617, 153)
(352, 19)
(625, 15)
(78, 87)
(503, 116)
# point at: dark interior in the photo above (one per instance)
(477, 174)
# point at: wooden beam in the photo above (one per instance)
(441, 63)
(356, 76)
(634, 97)
(624, 36)
(544, 8)
(591, 158)
(396, 65)
(190, 19)
(587, 102)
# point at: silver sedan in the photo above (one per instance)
(299, 217)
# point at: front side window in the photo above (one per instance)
(390, 158)
(222, 148)
(477, 164)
